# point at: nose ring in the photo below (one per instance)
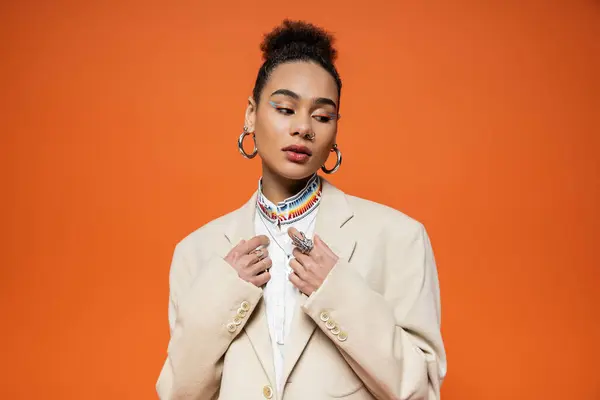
(310, 136)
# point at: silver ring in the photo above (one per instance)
(259, 253)
(304, 244)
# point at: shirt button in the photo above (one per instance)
(268, 392)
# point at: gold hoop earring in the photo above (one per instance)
(338, 154)
(241, 144)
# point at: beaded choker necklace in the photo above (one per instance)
(294, 208)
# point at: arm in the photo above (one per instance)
(392, 341)
(203, 323)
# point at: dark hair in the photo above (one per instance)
(296, 41)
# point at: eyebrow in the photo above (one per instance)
(296, 96)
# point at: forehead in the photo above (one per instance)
(307, 79)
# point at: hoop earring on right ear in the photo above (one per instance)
(338, 153)
(241, 144)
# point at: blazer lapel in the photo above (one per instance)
(334, 212)
(241, 227)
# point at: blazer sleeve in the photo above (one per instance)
(207, 310)
(391, 340)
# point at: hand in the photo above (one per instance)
(250, 262)
(310, 270)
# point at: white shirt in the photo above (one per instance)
(279, 295)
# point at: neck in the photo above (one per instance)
(277, 188)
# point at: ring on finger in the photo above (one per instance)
(268, 267)
(304, 244)
(259, 253)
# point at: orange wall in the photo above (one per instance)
(119, 122)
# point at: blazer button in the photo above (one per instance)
(241, 312)
(330, 324)
(336, 330)
(237, 320)
(342, 336)
(231, 327)
(245, 306)
(268, 392)
(324, 316)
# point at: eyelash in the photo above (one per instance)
(284, 111)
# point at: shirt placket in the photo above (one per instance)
(280, 287)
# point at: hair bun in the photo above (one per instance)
(298, 37)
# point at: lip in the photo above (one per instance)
(296, 148)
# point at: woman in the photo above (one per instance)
(304, 293)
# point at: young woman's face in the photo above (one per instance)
(298, 107)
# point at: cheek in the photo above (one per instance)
(326, 133)
(321, 157)
(325, 145)
(272, 126)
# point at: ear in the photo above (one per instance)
(250, 119)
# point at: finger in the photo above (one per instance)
(236, 249)
(304, 259)
(323, 246)
(298, 268)
(260, 279)
(255, 242)
(261, 266)
(259, 254)
(248, 260)
(240, 244)
(297, 282)
(293, 232)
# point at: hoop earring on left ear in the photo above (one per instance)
(338, 153)
(241, 144)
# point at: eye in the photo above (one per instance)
(326, 117)
(323, 118)
(284, 110)
(281, 109)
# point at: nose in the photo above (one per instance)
(302, 128)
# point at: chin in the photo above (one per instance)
(295, 171)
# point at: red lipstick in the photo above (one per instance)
(297, 153)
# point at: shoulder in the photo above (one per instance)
(398, 234)
(205, 236)
(383, 218)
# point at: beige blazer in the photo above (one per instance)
(372, 331)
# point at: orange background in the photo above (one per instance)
(119, 122)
